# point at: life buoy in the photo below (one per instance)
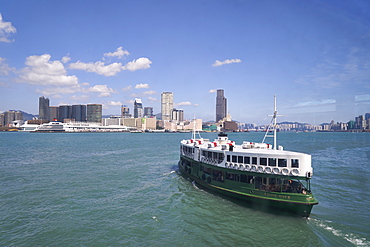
(295, 172)
(268, 169)
(285, 171)
(276, 170)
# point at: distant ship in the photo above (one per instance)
(257, 173)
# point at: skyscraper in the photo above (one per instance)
(125, 111)
(94, 113)
(54, 113)
(148, 112)
(166, 105)
(44, 111)
(138, 108)
(221, 105)
(79, 113)
(177, 115)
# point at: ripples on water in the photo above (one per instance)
(123, 189)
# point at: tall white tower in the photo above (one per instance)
(166, 105)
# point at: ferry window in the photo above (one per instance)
(240, 159)
(231, 176)
(295, 163)
(217, 175)
(247, 160)
(263, 161)
(228, 158)
(272, 161)
(234, 158)
(246, 179)
(254, 160)
(282, 163)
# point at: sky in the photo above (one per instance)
(313, 55)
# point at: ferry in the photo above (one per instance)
(257, 173)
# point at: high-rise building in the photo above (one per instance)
(54, 113)
(94, 113)
(125, 111)
(148, 112)
(138, 108)
(221, 105)
(166, 105)
(44, 111)
(79, 113)
(177, 115)
(10, 116)
(65, 112)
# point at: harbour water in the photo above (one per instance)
(123, 189)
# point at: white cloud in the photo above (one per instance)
(42, 71)
(104, 90)
(227, 61)
(4, 68)
(142, 85)
(150, 92)
(128, 88)
(98, 67)
(65, 59)
(118, 53)
(55, 90)
(114, 103)
(140, 63)
(4, 84)
(78, 98)
(152, 99)
(183, 103)
(6, 28)
(212, 91)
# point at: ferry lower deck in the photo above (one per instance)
(286, 193)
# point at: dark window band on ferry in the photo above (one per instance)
(234, 158)
(254, 160)
(282, 163)
(228, 158)
(247, 160)
(240, 159)
(272, 161)
(295, 163)
(263, 161)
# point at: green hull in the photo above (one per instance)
(294, 203)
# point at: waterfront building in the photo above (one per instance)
(65, 112)
(44, 111)
(125, 111)
(166, 105)
(221, 105)
(2, 119)
(177, 115)
(138, 108)
(94, 113)
(54, 113)
(148, 112)
(79, 113)
(8, 117)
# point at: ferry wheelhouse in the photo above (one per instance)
(257, 173)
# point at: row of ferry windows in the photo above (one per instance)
(263, 161)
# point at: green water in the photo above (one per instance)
(123, 189)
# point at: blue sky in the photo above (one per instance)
(314, 55)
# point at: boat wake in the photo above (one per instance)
(168, 173)
(350, 237)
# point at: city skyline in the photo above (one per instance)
(312, 55)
